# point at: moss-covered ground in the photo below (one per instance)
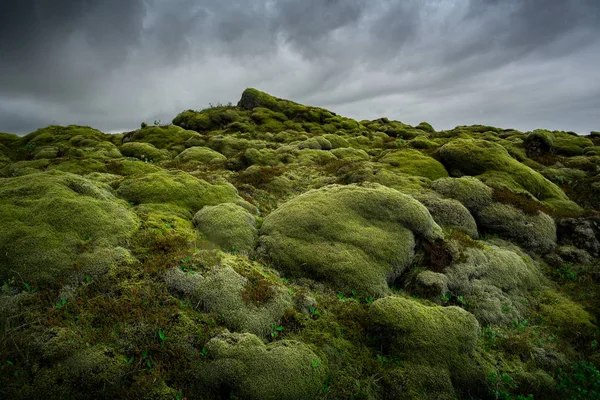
(272, 250)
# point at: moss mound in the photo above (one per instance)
(228, 225)
(355, 238)
(161, 137)
(251, 304)
(175, 187)
(478, 157)
(535, 232)
(245, 367)
(52, 218)
(429, 337)
(413, 162)
(144, 152)
(203, 155)
(494, 281)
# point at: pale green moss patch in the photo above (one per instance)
(245, 367)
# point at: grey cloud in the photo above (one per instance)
(111, 64)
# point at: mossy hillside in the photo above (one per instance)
(242, 365)
(157, 296)
(52, 217)
(64, 141)
(355, 238)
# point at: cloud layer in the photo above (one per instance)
(112, 64)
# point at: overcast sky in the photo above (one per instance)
(112, 64)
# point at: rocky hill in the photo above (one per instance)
(272, 250)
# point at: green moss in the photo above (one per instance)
(79, 166)
(247, 368)
(539, 141)
(471, 192)
(315, 157)
(563, 314)
(264, 157)
(356, 172)
(355, 238)
(200, 154)
(229, 226)
(350, 154)
(478, 157)
(98, 369)
(336, 141)
(424, 337)
(48, 217)
(450, 213)
(570, 145)
(536, 232)
(161, 137)
(247, 304)
(131, 167)
(424, 126)
(144, 152)
(494, 281)
(175, 187)
(413, 162)
(421, 142)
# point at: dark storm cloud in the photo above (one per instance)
(112, 64)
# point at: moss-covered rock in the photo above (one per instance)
(242, 365)
(478, 157)
(563, 314)
(471, 192)
(494, 280)
(97, 369)
(202, 155)
(161, 137)
(442, 338)
(144, 152)
(535, 232)
(247, 304)
(570, 145)
(355, 238)
(175, 187)
(413, 162)
(50, 218)
(450, 213)
(228, 225)
(350, 154)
